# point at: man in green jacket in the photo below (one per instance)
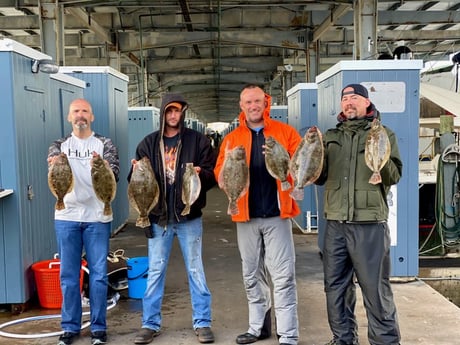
(357, 237)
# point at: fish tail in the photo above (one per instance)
(285, 185)
(376, 178)
(60, 205)
(107, 209)
(233, 209)
(297, 193)
(142, 222)
(186, 210)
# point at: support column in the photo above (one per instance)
(48, 27)
(365, 16)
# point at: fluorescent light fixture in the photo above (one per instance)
(45, 66)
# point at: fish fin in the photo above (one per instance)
(375, 178)
(186, 210)
(107, 209)
(297, 193)
(60, 205)
(285, 185)
(142, 222)
(233, 209)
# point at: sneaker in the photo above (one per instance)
(67, 338)
(98, 337)
(205, 335)
(145, 336)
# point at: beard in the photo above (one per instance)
(81, 124)
(173, 125)
(351, 113)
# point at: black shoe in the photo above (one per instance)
(98, 337)
(67, 338)
(246, 338)
(145, 336)
(205, 335)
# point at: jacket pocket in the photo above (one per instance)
(367, 199)
(333, 196)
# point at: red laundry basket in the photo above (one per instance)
(48, 283)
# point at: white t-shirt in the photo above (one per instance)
(81, 204)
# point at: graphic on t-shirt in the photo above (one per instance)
(170, 162)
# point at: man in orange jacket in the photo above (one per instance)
(264, 229)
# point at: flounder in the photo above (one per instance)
(307, 162)
(377, 150)
(60, 179)
(234, 177)
(143, 191)
(191, 187)
(104, 183)
(277, 161)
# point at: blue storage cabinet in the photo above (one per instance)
(302, 114)
(394, 89)
(279, 112)
(141, 121)
(107, 91)
(30, 122)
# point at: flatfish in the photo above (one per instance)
(104, 183)
(191, 187)
(143, 191)
(234, 177)
(60, 179)
(377, 150)
(277, 161)
(307, 162)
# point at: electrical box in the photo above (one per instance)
(279, 112)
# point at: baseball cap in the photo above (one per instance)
(358, 89)
(174, 104)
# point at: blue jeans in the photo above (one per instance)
(189, 234)
(71, 237)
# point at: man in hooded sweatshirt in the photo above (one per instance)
(169, 149)
(357, 237)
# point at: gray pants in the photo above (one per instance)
(267, 244)
(362, 250)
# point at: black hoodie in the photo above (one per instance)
(193, 147)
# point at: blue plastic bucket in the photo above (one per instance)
(137, 276)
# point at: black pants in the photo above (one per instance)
(361, 249)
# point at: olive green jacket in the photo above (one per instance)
(348, 195)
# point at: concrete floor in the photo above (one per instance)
(426, 317)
